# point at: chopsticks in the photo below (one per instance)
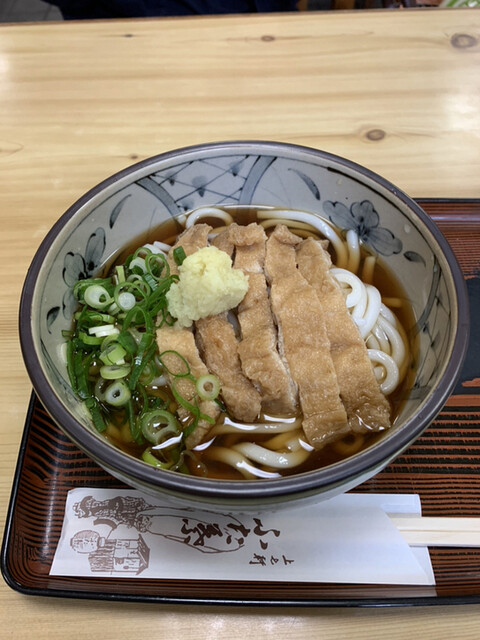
(438, 532)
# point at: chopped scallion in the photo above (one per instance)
(97, 296)
(114, 371)
(120, 273)
(149, 458)
(208, 387)
(137, 265)
(113, 353)
(157, 424)
(114, 365)
(103, 330)
(179, 255)
(117, 394)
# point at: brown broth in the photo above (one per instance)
(383, 279)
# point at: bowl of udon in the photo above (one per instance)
(244, 324)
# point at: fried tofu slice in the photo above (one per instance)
(192, 239)
(304, 340)
(367, 407)
(172, 341)
(218, 346)
(258, 347)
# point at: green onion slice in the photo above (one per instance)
(114, 371)
(179, 255)
(135, 430)
(146, 349)
(126, 300)
(157, 266)
(157, 424)
(148, 373)
(100, 386)
(139, 282)
(127, 294)
(82, 285)
(149, 458)
(181, 360)
(117, 394)
(90, 340)
(208, 387)
(120, 273)
(91, 318)
(92, 405)
(127, 341)
(192, 408)
(103, 330)
(97, 296)
(113, 353)
(81, 366)
(137, 265)
(112, 337)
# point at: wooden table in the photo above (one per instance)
(397, 91)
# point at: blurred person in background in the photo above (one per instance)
(102, 9)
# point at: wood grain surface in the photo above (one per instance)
(397, 91)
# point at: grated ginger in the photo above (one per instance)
(208, 285)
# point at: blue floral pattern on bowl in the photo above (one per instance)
(362, 218)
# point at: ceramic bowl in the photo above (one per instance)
(129, 204)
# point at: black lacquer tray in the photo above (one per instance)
(443, 467)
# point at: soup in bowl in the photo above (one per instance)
(244, 324)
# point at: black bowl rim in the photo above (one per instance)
(254, 490)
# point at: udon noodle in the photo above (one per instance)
(276, 445)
